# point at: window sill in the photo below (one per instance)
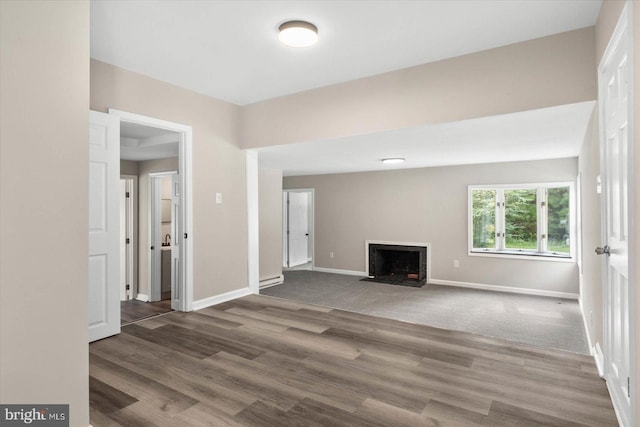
(534, 256)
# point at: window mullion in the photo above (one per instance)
(543, 235)
(500, 220)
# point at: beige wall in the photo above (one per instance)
(128, 167)
(270, 208)
(636, 139)
(428, 205)
(607, 19)
(549, 71)
(144, 169)
(44, 82)
(219, 230)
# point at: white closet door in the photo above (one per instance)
(614, 81)
(104, 226)
(298, 228)
(177, 238)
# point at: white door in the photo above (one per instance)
(155, 237)
(104, 226)
(285, 229)
(177, 235)
(123, 240)
(614, 85)
(298, 228)
(127, 238)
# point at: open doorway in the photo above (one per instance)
(149, 165)
(297, 226)
(162, 228)
(128, 236)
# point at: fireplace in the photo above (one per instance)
(397, 264)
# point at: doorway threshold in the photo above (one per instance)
(133, 310)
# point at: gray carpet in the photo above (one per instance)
(541, 321)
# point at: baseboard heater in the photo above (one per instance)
(278, 280)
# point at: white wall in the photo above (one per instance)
(44, 111)
(428, 205)
(591, 271)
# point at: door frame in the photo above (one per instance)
(626, 419)
(131, 257)
(185, 167)
(154, 267)
(310, 219)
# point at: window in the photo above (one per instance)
(530, 219)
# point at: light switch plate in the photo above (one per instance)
(219, 198)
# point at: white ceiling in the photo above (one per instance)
(547, 133)
(229, 49)
(139, 142)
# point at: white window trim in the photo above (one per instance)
(500, 251)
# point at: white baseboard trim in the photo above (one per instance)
(594, 350)
(267, 283)
(219, 299)
(586, 326)
(271, 285)
(337, 271)
(599, 358)
(498, 288)
(142, 297)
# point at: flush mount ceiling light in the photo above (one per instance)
(298, 34)
(392, 160)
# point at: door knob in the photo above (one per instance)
(604, 250)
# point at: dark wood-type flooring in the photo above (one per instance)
(134, 310)
(262, 361)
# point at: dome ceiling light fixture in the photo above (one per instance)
(298, 34)
(392, 160)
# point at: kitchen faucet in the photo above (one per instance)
(167, 239)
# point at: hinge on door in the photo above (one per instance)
(628, 387)
(127, 241)
(128, 287)
(543, 204)
(127, 195)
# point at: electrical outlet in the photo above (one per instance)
(330, 254)
(456, 263)
(219, 198)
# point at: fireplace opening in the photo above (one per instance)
(398, 264)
